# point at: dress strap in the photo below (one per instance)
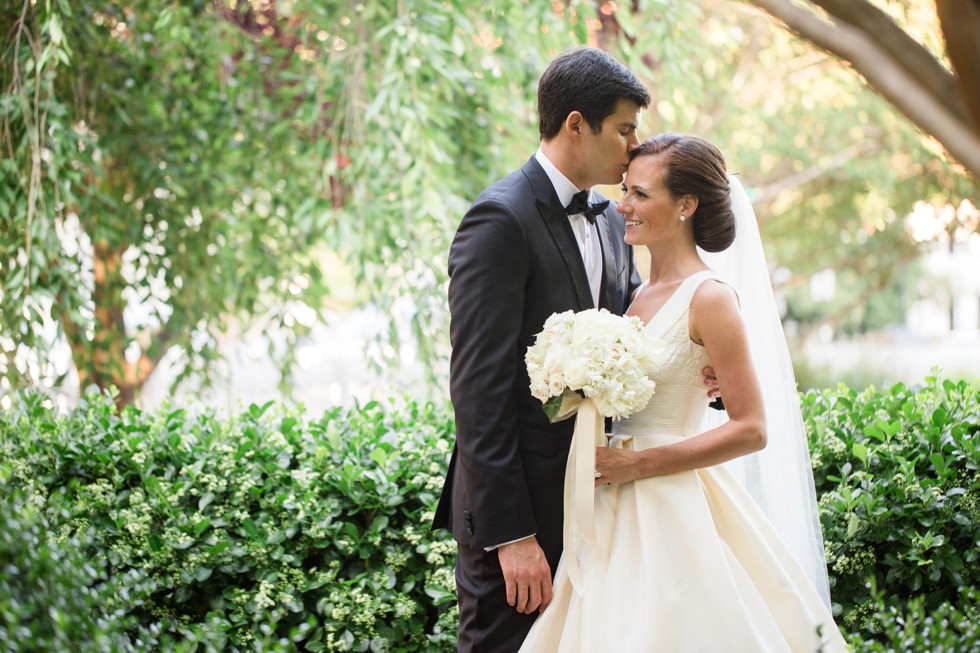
(678, 303)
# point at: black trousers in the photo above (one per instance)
(487, 624)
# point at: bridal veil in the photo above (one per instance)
(779, 477)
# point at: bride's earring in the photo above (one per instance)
(682, 217)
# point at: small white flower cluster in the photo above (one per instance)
(606, 357)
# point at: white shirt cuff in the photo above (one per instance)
(497, 546)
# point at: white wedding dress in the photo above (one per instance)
(686, 562)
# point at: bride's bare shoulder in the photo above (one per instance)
(714, 294)
(714, 309)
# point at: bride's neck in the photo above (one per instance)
(668, 265)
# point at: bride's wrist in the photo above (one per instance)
(648, 463)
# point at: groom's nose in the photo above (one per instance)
(633, 143)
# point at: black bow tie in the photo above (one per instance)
(580, 204)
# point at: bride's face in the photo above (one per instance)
(652, 215)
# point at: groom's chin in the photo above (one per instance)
(612, 180)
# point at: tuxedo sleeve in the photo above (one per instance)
(488, 268)
(635, 280)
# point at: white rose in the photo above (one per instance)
(556, 386)
(539, 390)
(576, 373)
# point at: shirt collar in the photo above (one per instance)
(563, 186)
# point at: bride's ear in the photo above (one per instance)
(689, 204)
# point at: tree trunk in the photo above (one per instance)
(99, 354)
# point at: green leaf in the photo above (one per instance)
(250, 528)
(552, 406)
(892, 428)
(164, 19)
(201, 526)
(54, 30)
(379, 455)
(939, 463)
(860, 452)
(874, 431)
(219, 547)
(206, 499)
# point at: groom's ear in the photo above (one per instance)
(574, 124)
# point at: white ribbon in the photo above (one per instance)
(579, 536)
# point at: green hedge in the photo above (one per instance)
(950, 627)
(896, 473)
(271, 532)
(263, 532)
(49, 587)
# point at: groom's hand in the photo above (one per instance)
(711, 381)
(526, 574)
(713, 391)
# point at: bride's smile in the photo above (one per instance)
(652, 214)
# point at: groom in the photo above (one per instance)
(537, 242)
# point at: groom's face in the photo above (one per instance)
(606, 152)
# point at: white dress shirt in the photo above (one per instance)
(585, 232)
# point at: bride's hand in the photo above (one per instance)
(616, 465)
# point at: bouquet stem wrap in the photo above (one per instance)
(579, 536)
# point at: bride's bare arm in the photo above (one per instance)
(717, 323)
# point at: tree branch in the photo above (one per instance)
(902, 48)
(959, 20)
(928, 112)
(769, 192)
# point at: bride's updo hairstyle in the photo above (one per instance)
(693, 166)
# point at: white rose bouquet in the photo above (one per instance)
(593, 354)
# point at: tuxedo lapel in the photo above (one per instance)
(608, 258)
(553, 215)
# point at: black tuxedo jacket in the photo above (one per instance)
(513, 262)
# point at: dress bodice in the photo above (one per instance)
(680, 399)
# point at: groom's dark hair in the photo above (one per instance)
(586, 80)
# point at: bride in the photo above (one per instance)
(688, 557)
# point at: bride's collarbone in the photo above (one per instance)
(651, 299)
